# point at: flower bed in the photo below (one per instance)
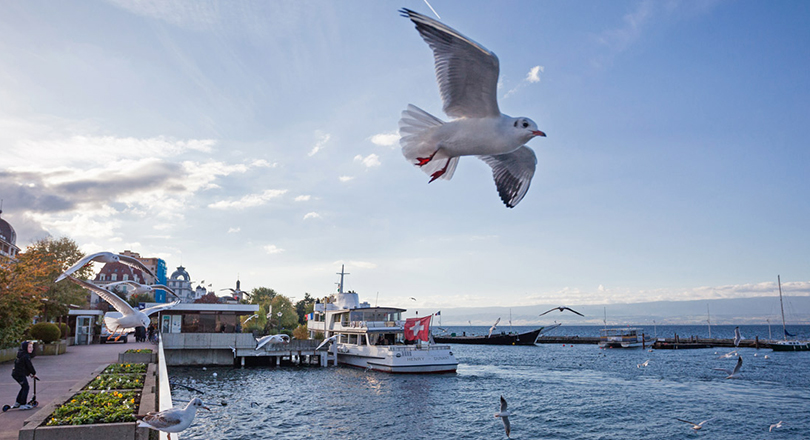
(139, 350)
(87, 408)
(116, 382)
(125, 368)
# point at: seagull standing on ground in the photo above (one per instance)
(562, 309)
(504, 415)
(735, 373)
(695, 426)
(107, 257)
(467, 74)
(172, 419)
(129, 318)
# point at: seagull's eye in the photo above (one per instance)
(525, 124)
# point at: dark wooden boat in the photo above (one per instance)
(527, 338)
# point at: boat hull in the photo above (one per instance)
(791, 346)
(527, 338)
(399, 359)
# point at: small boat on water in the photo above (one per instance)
(376, 338)
(527, 338)
(785, 344)
(627, 337)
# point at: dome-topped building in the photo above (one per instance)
(8, 240)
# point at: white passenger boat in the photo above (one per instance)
(377, 338)
(628, 337)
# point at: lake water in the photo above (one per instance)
(554, 391)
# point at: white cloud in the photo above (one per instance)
(249, 201)
(310, 215)
(385, 139)
(372, 160)
(346, 178)
(234, 230)
(303, 198)
(272, 249)
(534, 74)
(319, 144)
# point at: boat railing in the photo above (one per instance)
(417, 347)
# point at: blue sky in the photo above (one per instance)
(259, 140)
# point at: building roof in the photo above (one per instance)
(180, 273)
(7, 233)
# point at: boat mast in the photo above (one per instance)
(709, 320)
(342, 272)
(782, 306)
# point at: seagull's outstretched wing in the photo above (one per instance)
(101, 256)
(572, 310)
(513, 173)
(136, 263)
(504, 417)
(158, 308)
(114, 300)
(326, 341)
(504, 406)
(164, 287)
(466, 71)
(737, 367)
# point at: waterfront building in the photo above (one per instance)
(180, 282)
(8, 240)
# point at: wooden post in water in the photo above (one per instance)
(643, 342)
(756, 341)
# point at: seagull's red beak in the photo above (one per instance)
(205, 407)
(538, 133)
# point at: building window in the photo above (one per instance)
(114, 277)
(126, 277)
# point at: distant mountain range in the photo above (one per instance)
(721, 311)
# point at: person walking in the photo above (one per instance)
(22, 369)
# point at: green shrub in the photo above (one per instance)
(46, 332)
(65, 330)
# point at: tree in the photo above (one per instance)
(22, 283)
(262, 295)
(208, 298)
(303, 307)
(60, 254)
(289, 319)
(138, 298)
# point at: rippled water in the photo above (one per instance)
(576, 392)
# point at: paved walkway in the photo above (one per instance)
(57, 374)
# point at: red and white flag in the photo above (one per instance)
(417, 328)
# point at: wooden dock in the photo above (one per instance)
(676, 342)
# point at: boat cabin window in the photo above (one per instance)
(353, 339)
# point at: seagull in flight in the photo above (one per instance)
(326, 341)
(138, 288)
(467, 74)
(504, 415)
(775, 425)
(735, 373)
(172, 419)
(643, 364)
(272, 339)
(561, 309)
(695, 426)
(492, 329)
(127, 318)
(107, 257)
(737, 336)
(730, 354)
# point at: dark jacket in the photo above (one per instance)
(22, 365)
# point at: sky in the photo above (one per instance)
(258, 141)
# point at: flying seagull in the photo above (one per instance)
(697, 426)
(138, 288)
(107, 257)
(730, 354)
(326, 341)
(732, 374)
(272, 339)
(494, 326)
(561, 309)
(127, 317)
(737, 336)
(467, 74)
(643, 364)
(504, 415)
(172, 419)
(775, 425)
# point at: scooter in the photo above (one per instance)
(33, 402)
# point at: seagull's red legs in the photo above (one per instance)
(424, 160)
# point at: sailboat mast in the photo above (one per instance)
(709, 320)
(782, 306)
